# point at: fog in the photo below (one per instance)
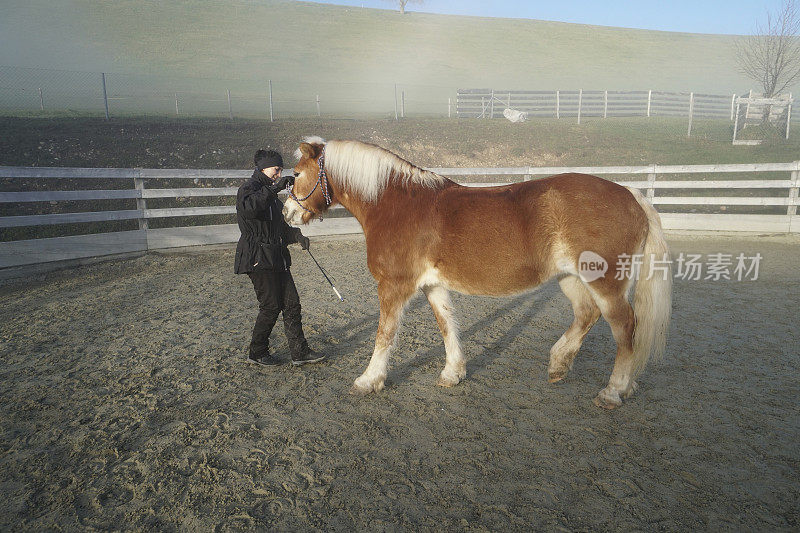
(195, 51)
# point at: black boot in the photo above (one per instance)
(264, 359)
(307, 356)
(267, 360)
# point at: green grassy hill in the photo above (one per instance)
(308, 43)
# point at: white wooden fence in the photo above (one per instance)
(656, 178)
(489, 103)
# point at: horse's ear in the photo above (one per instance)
(307, 150)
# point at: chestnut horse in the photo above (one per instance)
(425, 232)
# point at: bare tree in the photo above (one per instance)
(772, 55)
(402, 4)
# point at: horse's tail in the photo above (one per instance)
(652, 301)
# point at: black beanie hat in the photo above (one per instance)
(267, 158)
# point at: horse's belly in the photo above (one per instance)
(486, 278)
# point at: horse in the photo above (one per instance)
(427, 233)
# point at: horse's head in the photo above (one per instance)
(310, 196)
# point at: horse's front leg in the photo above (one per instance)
(393, 296)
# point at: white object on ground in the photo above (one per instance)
(515, 116)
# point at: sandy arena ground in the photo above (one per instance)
(127, 403)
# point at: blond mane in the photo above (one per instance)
(366, 169)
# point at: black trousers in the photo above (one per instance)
(276, 292)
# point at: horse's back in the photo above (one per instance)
(593, 213)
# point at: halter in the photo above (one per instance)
(322, 178)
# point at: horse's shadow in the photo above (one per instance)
(478, 361)
(360, 331)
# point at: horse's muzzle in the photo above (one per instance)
(292, 213)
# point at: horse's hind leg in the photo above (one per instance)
(619, 315)
(455, 368)
(393, 297)
(563, 352)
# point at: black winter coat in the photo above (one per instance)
(265, 234)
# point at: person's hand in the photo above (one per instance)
(304, 241)
(282, 183)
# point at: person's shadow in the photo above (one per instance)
(351, 336)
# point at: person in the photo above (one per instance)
(262, 254)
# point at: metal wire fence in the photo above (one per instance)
(27, 90)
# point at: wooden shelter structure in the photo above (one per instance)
(754, 109)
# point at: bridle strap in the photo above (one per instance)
(322, 179)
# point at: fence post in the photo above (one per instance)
(736, 123)
(580, 103)
(318, 113)
(141, 203)
(649, 99)
(605, 104)
(651, 182)
(483, 107)
(691, 113)
(271, 116)
(793, 192)
(176, 105)
(491, 105)
(105, 94)
(41, 100)
(230, 109)
(788, 115)
(733, 100)
(558, 104)
(402, 104)
(509, 99)
(395, 102)
(747, 108)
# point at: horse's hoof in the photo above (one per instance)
(366, 387)
(555, 377)
(634, 387)
(447, 382)
(357, 391)
(608, 399)
(451, 379)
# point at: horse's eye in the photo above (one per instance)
(296, 174)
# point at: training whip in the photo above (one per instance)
(326, 275)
